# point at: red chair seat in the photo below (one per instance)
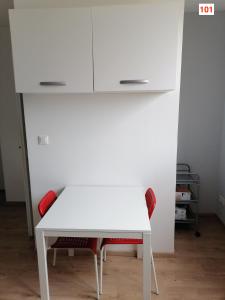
(76, 242)
(118, 241)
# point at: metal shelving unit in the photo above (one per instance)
(190, 180)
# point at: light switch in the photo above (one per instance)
(43, 140)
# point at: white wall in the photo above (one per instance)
(107, 139)
(220, 206)
(10, 134)
(4, 6)
(1, 171)
(201, 101)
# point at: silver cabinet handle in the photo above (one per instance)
(134, 81)
(52, 83)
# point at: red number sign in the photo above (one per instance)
(206, 9)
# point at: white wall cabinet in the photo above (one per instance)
(135, 47)
(125, 48)
(52, 50)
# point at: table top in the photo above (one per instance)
(98, 208)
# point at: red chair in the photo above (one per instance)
(46, 202)
(69, 242)
(150, 202)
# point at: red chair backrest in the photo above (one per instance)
(46, 202)
(150, 201)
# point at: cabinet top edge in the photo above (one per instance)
(93, 6)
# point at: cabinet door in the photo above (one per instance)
(52, 50)
(135, 47)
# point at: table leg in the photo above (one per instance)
(146, 266)
(139, 251)
(42, 264)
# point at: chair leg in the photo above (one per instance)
(71, 252)
(104, 253)
(54, 257)
(96, 273)
(154, 273)
(101, 268)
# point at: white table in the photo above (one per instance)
(96, 212)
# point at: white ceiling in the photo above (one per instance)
(190, 6)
